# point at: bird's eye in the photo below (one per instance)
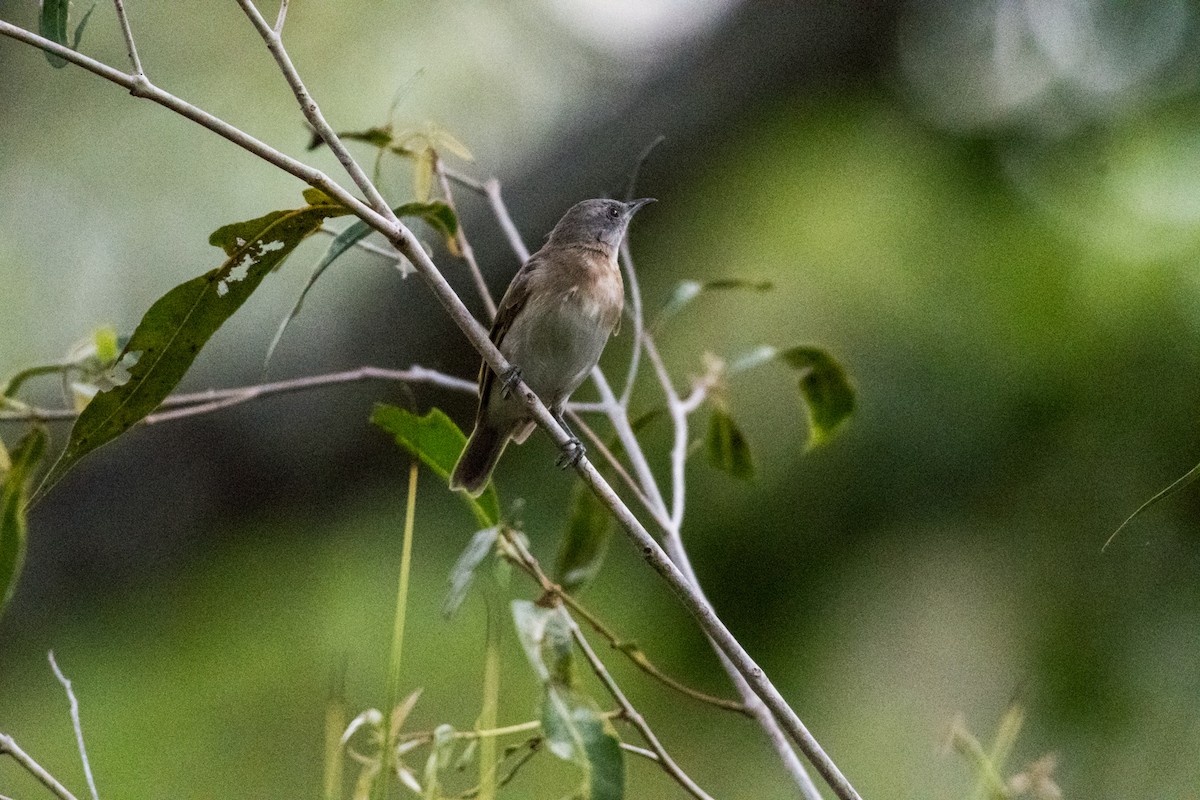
(613, 212)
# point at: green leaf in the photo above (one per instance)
(82, 24)
(728, 450)
(582, 548)
(179, 324)
(829, 398)
(438, 442)
(376, 137)
(1179, 483)
(689, 290)
(463, 572)
(576, 731)
(436, 215)
(52, 24)
(14, 492)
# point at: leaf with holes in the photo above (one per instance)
(177, 326)
(438, 442)
(15, 476)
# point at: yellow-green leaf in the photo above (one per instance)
(829, 397)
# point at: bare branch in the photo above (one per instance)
(492, 189)
(9, 746)
(138, 72)
(213, 399)
(640, 751)
(281, 17)
(464, 246)
(76, 724)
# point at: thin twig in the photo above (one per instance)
(466, 181)
(203, 402)
(635, 289)
(381, 218)
(629, 712)
(464, 246)
(641, 751)
(76, 724)
(138, 72)
(492, 189)
(281, 17)
(8, 745)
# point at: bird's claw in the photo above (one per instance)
(509, 381)
(572, 452)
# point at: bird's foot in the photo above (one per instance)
(509, 381)
(572, 452)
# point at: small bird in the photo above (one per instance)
(552, 325)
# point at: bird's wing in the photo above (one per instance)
(511, 304)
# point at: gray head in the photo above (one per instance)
(603, 221)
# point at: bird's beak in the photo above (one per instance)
(633, 205)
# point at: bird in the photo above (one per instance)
(551, 325)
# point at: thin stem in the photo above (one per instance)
(641, 751)
(635, 313)
(628, 711)
(680, 445)
(635, 289)
(76, 724)
(127, 31)
(9, 746)
(492, 189)
(464, 246)
(213, 399)
(281, 17)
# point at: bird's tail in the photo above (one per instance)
(478, 459)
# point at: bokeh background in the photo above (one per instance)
(988, 209)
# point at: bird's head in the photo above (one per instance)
(603, 221)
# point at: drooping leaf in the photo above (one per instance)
(441, 752)
(438, 215)
(376, 137)
(437, 441)
(575, 731)
(829, 397)
(689, 290)
(727, 447)
(82, 24)
(530, 621)
(178, 325)
(15, 478)
(52, 24)
(1179, 483)
(582, 549)
(463, 572)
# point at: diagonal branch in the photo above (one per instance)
(9, 746)
(127, 32)
(464, 245)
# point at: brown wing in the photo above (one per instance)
(511, 304)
